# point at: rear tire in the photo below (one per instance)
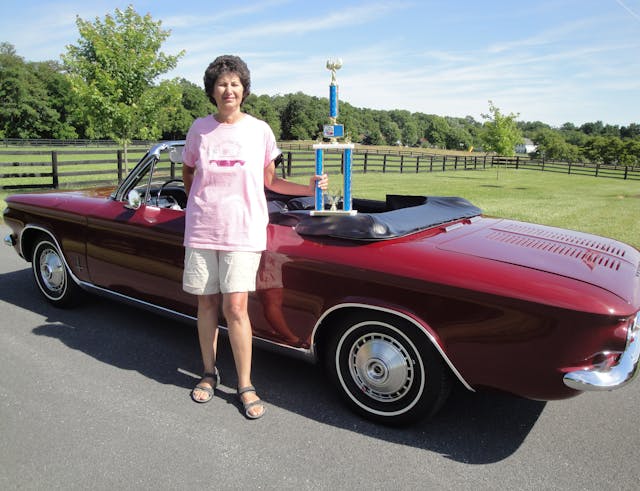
(51, 274)
(386, 370)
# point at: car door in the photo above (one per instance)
(138, 253)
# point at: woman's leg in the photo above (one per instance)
(235, 309)
(208, 336)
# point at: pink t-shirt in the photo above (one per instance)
(227, 208)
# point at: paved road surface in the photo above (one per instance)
(98, 397)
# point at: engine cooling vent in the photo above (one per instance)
(592, 253)
(565, 238)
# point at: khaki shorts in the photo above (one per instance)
(207, 271)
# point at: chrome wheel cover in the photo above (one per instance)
(381, 367)
(52, 273)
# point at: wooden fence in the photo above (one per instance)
(64, 168)
(61, 168)
(575, 168)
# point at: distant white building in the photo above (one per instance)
(527, 146)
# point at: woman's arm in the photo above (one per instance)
(282, 186)
(187, 177)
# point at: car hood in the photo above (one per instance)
(602, 262)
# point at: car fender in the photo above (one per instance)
(27, 239)
(323, 322)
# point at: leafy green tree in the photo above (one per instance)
(261, 107)
(61, 99)
(500, 132)
(632, 152)
(552, 146)
(352, 119)
(302, 117)
(458, 138)
(605, 149)
(113, 69)
(176, 120)
(593, 128)
(390, 130)
(436, 130)
(631, 131)
(35, 98)
(573, 135)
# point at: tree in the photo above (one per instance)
(500, 132)
(631, 131)
(262, 108)
(35, 97)
(389, 129)
(550, 145)
(113, 69)
(176, 120)
(302, 117)
(606, 149)
(435, 131)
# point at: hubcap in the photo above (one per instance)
(381, 367)
(52, 271)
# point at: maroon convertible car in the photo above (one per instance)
(399, 301)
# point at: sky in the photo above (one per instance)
(554, 61)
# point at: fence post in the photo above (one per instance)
(119, 157)
(417, 164)
(401, 163)
(517, 162)
(444, 163)
(626, 171)
(54, 169)
(289, 162)
(384, 163)
(366, 155)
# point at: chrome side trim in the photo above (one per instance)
(421, 329)
(299, 353)
(619, 375)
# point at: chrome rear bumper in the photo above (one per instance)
(613, 377)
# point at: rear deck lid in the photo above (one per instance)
(602, 262)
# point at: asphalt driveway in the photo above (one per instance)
(98, 397)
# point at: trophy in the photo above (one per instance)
(334, 131)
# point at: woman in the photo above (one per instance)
(228, 160)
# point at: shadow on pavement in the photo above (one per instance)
(475, 428)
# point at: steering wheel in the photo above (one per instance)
(169, 197)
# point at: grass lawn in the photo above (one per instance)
(607, 207)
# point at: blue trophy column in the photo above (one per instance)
(346, 206)
(333, 101)
(319, 168)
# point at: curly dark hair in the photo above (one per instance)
(225, 64)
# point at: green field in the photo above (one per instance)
(608, 207)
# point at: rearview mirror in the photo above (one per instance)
(175, 155)
(134, 200)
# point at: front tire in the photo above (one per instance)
(386, 370)
(51, 274)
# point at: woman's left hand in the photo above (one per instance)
(322, 182)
